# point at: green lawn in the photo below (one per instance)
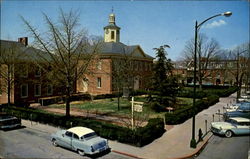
(109, 106)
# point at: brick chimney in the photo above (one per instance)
(23, 40)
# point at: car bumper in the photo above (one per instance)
(10, 126)
(217, 131)
(99, 150)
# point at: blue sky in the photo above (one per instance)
(149, 24)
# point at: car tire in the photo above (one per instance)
(54, 142)
(80, 152)
(229, 133)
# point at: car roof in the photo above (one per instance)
(80, 131)
(240, 119)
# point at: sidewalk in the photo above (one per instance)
(174, 143)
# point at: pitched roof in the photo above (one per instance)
(111, 26)
(21, 51)
(118, 48)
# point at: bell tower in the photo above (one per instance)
(111, 31)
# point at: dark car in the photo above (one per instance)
(242, 111)
(8, 121)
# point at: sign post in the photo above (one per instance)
(135, 106)
(132, 110)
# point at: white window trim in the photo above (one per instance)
(27, 92)
(37, 95)
(99, 85)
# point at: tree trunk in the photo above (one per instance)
(118, 104)
(9, 84)
(68, 102)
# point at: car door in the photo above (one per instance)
(66, 140)
(75, 142)
(243, 128)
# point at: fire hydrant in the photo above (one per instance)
(200, 135)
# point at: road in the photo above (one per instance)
(226, 148)
(31, 143)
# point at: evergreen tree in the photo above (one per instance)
(164, 84)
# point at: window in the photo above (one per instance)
(99, 65)
(24, 90)
(38, 72)
(89, 136)
(99, 82)
(112, 35)
(69, 134)
(49, 89)
(37, 91)
(75, 136)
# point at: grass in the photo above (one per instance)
(109, 106)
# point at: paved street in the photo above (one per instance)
(31, 143)
(229, 148)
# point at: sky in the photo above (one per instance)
(149, 24)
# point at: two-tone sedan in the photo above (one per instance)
(80, 139)
(233, 126)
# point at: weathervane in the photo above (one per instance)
(112, 9)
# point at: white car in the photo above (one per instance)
(80, 139)
(233, 126)
(233, 107)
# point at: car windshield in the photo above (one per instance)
(89, 136)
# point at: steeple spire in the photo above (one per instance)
(112, 17)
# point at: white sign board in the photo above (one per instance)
(138, 108)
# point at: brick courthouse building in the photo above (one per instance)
(32, 87)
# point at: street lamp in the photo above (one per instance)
(237, 74)
(197, 26)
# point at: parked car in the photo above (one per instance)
(8, 122)
(242, 111)
(80, 139)
(244, 98)
(234, 126)
(231, 108)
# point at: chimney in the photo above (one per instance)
(23, 40)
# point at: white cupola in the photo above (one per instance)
(111, 31)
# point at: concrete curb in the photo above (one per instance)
(183, 157)
(196, 151)
(126, 154)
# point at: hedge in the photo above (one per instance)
(181, 115)
(221, 91)
(139, 137)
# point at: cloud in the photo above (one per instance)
(215, 24)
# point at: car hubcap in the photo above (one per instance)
(54, 143)
(228, 134)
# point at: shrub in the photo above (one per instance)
(138, 137)
(181, 115)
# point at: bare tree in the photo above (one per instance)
(207, 50)
(65, 49)
(122, 73)
(9, 60)
(241, 55)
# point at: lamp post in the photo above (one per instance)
(237, 75)
(197, 26)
